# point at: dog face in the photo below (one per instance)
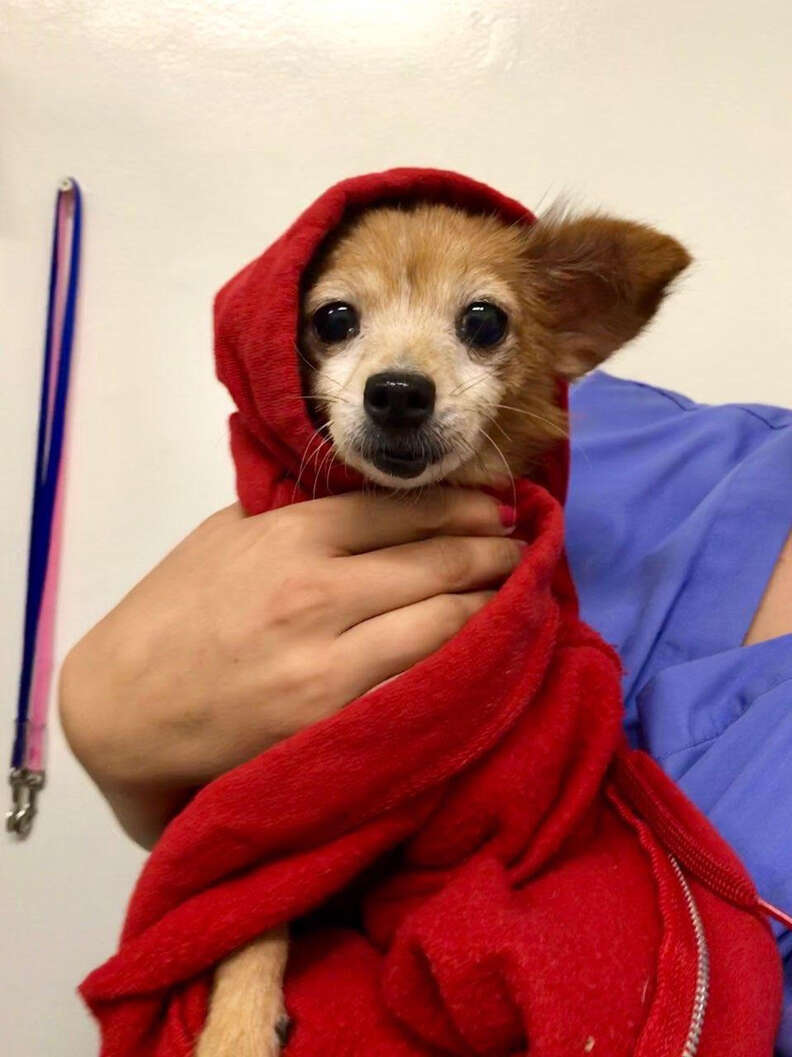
(434, 337)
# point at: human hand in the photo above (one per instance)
(255, 627)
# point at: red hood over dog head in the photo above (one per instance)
(256, 338)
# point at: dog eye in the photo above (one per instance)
(482, 324)
(335, 322)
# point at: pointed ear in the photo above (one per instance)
(597, 281)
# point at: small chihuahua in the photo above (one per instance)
(427, 330)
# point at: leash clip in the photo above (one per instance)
(25, 787)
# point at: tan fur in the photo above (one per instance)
(575, 289)
(246, 1008)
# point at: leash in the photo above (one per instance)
(27, 773)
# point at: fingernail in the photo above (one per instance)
(508, 516)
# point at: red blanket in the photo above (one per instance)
(476, 862)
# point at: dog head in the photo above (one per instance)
(434, 337)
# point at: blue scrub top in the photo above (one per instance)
(676, 516)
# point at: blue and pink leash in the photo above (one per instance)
(27, 774)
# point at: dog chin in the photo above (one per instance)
(405, 477)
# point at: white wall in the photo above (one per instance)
(198, 130)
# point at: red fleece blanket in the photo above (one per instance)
(476, 862)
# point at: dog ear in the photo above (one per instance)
(596, 282)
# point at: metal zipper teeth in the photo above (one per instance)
(693, 1039)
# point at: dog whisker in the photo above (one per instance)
(317, 399)
(494, 420)
(326, 399)
(556, 427)
(506, 464)
(329, 468)
(460, 389)
(317, 434)
(474, 453)
(329, 454)
(318, 449)
(305, 360)
(315, 367)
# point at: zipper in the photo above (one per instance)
(701, 997)
(720, 879)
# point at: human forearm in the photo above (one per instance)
(255, 627)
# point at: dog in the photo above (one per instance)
(432, 341)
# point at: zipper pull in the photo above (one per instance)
(773, 912)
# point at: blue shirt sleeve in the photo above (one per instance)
(676, 515)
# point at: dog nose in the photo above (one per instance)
(399, 398)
